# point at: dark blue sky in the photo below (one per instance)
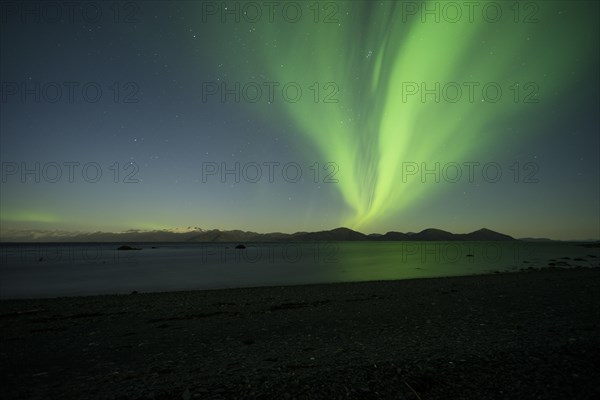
(161, 136)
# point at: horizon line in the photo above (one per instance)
(47, 235)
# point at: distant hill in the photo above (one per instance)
(334, 235)
(393, 236)
(239, 236)
(530, 239)
(486, 235)
(434, 234)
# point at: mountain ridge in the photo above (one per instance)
(341, 234)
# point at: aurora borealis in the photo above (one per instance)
(377, 125)
(389, 91)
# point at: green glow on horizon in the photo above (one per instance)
(18, 218)
(30, 216)
(371, 131)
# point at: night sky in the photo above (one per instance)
(314, 116)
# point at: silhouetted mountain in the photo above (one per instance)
(433, 234)
(487, 235)
(334, 235)
(239, 236)
(393, 236)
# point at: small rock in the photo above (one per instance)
(127, 248)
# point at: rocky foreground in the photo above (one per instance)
(531, 335)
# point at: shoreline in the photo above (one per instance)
(496, 336)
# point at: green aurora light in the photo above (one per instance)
(375, 126)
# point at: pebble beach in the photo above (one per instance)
(526, 335)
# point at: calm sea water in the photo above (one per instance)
(50, 270)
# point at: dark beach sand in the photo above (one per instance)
(532, 335)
